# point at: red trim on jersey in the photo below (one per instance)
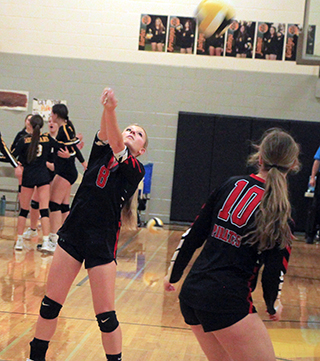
(249, 299)
(134, 162)
(257, 178)
(117, 239)
(288, 248)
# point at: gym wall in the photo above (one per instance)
(74, 50)
(218, 148)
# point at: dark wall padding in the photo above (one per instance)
(210, 148)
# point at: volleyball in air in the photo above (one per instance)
(214, 17)
(154, 225)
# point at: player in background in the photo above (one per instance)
(65, 175)
(32, 152)
(244, 224)
(32, 231)
(90, 232)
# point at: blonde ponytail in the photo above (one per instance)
(278, 154)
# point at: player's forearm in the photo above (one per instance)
(315, 168)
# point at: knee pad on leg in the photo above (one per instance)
(24, 213)
(107, 321)
(54, 207)
(44, 212)
(34, 204)
(64, 208)
(49, 309)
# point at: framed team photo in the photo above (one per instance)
(240, 39)
(213, 46)
(181, 37)
(153, 32)
(270, 41)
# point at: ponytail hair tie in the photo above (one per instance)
(281, 169)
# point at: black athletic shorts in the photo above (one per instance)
(82, 253)
(32, 185)
(210, 321)
(71, 175)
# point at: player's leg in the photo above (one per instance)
(210, 345)
(65, 207)
(25, 198)
(44, 196)
(59, 188)
(247, 340)
(63, 271)
(34, 210)
(160, 47)
(102, 282)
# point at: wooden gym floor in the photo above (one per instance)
(152, 326)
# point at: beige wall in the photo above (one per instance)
(109, 30)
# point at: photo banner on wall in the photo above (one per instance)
(270, 41)
(153, 32)
(311, 39)
(213, 46)
(240, 39)
(14, 100)
(181, 38)
(43, 107)
(293, 31)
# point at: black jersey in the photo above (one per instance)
(19, 135)
(35, 172)
(65, 165)
(159, 35)
(225, 273)
(6, 155)
(108, 182)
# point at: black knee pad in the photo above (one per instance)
(54, 207)
(107, 321)
(34, 204)
(64, 208)
(49, 309)
(24, 213)
(44, 212)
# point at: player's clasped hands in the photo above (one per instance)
(108, 99)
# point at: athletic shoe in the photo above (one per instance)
(19, 245)
(48, 246)
(30, 233)
(39, 246)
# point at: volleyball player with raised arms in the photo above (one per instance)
(90, 232)
(245, 223)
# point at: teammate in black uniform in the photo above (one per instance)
(90, 232)
(245, 224)
(65, 175)
(32, 152)
(157, 35)
(34, 207)
(186, 37)
(22, 133)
